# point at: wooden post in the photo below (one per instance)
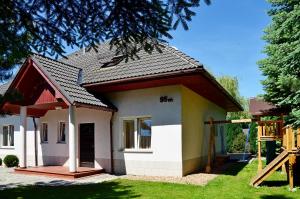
(298, 138)
(208, 166)
(259, 133)
(284, 144)
(290, 138)
(283, 169)
(292, 161)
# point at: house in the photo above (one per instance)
(9, 134)
(141, 117)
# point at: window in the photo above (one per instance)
(144, 133)
(128, 126)
(62, 132)
(137, 133)
(8, 135)
(44, 133)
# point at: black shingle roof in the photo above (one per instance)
(92, 63)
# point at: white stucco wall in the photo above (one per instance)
(164, 158)
(53, 153)
(195, 135)
(15, 150)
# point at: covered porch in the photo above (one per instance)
(42, 91)
(59, 171)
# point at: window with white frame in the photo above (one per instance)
(8, 136)
(61, 132)
(44, 133)
(137, 133)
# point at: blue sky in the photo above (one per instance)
(226, 38)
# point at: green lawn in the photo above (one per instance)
(233, 184)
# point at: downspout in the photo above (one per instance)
(111, 144)
(35, 142)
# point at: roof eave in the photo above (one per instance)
(170, 74)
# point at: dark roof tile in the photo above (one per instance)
(66, 76)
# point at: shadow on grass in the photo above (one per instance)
(278, 196)
(230, 168)
(111, 189)
(275, 183)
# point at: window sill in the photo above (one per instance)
(60, 142)
(137, 150)
(7, 147)
(44, 142)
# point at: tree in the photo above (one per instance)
(231, 84)
(47, 26)
(282, 64)
(234, 132)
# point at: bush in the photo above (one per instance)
(238, 144)
(0, 162)
(232, 131)
(253, 138)
(11, 161)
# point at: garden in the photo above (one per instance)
(233, 183)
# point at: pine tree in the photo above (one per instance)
(282, 64)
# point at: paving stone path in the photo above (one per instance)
(9, 179)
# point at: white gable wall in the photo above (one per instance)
(164, 158)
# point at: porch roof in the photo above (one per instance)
(66, 79)
(45, 84)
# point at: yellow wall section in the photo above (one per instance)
(195, 110)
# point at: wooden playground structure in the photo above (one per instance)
(290, 149)
(271, 130)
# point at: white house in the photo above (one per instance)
(94, 109)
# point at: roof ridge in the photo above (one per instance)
(36, 54)
(80, 49)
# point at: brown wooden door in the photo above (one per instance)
(87, 145)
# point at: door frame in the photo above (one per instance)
(79, 145)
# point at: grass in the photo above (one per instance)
(232, 184)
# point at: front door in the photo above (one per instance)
(87, 145)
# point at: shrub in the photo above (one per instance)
(11, 161)
(238, 144)
(253, 138)
(0, 162)
(232, 131)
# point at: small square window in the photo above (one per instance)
(44, 133)
(137, 133)
(62, 132)
(8, 135)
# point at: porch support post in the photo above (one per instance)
(72, 140)
(23, 129)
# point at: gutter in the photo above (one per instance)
(35, 142)
(112, 170)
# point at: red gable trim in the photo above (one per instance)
(23, 71)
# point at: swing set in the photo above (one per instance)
(270, 130)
